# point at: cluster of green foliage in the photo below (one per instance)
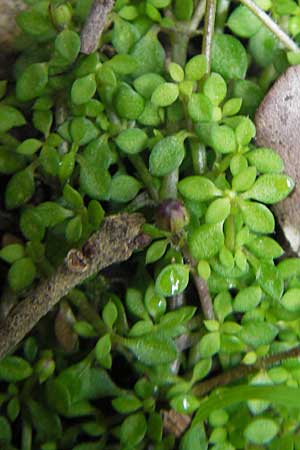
(128, 128)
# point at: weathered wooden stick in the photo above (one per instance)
(118, 237)
(94, 25)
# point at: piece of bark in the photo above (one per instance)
(94, 25)
(118, 237)
(277, 123)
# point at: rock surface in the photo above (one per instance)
(278, 126)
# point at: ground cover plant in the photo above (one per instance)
(127, 133)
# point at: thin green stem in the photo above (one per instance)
(273, 27)
(209, 27)
(146, 177)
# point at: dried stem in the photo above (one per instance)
(209, 27)
(269, 23)
(118, 237)
(241, 371)
(94, 25)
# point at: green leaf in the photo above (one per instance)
(11, 253)
(150, 55)
(21, 274)
(102, 351)
(95, 213)
(67, 44)
(266, 160)
(126, 404)
(42, 121)
(124, 188)
(200, 108)
(198, 188)
(270, 189)
(74, 229)
(165, 94)
(46, 423)
(36, 22)
(152, 349)
(215, 88)
(155, 251)
(29, 147)
(123, 64)
(31, 225)
(134, 303)
(32, 82)
(201, 369)
(261, 430)
(14, 369)
(229, 57)
(243, 22)
(13, 410)
(289, 268)
(83, 89)
(218, 210)
(83, 130)
(195, 438)
(176, 72)
(132, 140)
(58, 396)
(147, 83)
(245, 131)
(72, 197)
(5, 432)
(265, 247)
(172, 280)
(185, 404)
(128, 103)
(244, 179)
(247, 299)
(9, 118)
(270, 280)
(291, 300)
(223, 305)
(257, 217)
(166, 156)
(196, 68)
(250, 93)
(110, 314)
(206, 240)
(209, 344)
(258, 333)
(223, 139)
(94, 181)
(133, 430)
(232, 106)
(263, 46)
(52, 213)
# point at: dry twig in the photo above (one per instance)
(94, 25)
(118, 237)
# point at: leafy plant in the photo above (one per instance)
(147, 123)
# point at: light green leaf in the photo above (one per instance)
(198, 188)
(172, 280)
(206, 240)
(257, 217)
(270, 189)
